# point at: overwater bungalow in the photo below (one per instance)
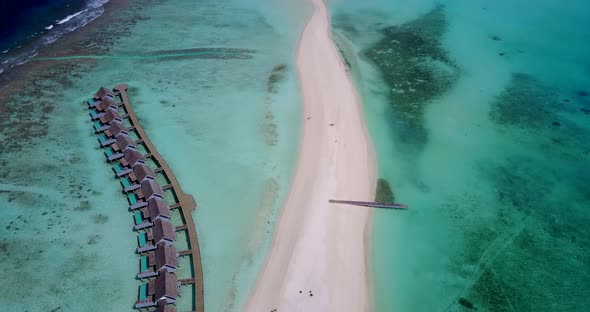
(117, 128)
(108, 136)
(131, 158)
(161, 232)
(162, 290)
(142, 172)
(106, 119)
(133, 180)
(163, 258)
(123, 143)
(103, 93)
(105, 104)
(149, 189)
(156, 209)
(117, 149)
(109, 116)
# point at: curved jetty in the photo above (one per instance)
(141, 170)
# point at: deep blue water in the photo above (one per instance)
(23, 20)
(28, 26)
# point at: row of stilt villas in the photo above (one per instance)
(151, 213)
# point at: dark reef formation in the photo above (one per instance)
(384, 193)
(533, 251)
(416, 69)
(276, 76)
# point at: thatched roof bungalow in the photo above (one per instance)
(142, 172)
(167, 288)
(151, 189)
(163, 258)
(133, 157)
(104, 93)
(115, 129)
(109, 116)
(124, 142)
(161, 291)
(106, 104)
(162, 232)
(156, 209)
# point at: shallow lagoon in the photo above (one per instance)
(479, 117)
(226, 120)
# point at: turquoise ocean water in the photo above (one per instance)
(214, 85)
(479, 111)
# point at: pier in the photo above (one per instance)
(116, 124)
(369, 204)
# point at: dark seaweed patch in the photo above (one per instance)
(466, 303)
(84, 206)
(538, 228)
(525, 103)
(530, 112)
(269, 127)
(520, 184)
(276, 76)
(384, 192)
(100, 218)
(344, 58)
(416, 69)
(93, 239)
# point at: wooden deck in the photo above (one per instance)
(183, 253)
(186, 202)
(369, 204)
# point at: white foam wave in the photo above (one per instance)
(69, 17)
(24, 60)
(49, 27)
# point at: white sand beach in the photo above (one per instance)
(318, 258)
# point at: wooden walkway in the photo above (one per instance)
(186, 202)
(369, 204)
(186, 281)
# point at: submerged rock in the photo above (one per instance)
(466, 303)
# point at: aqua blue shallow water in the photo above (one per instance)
(479, 113)
(226, 121)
